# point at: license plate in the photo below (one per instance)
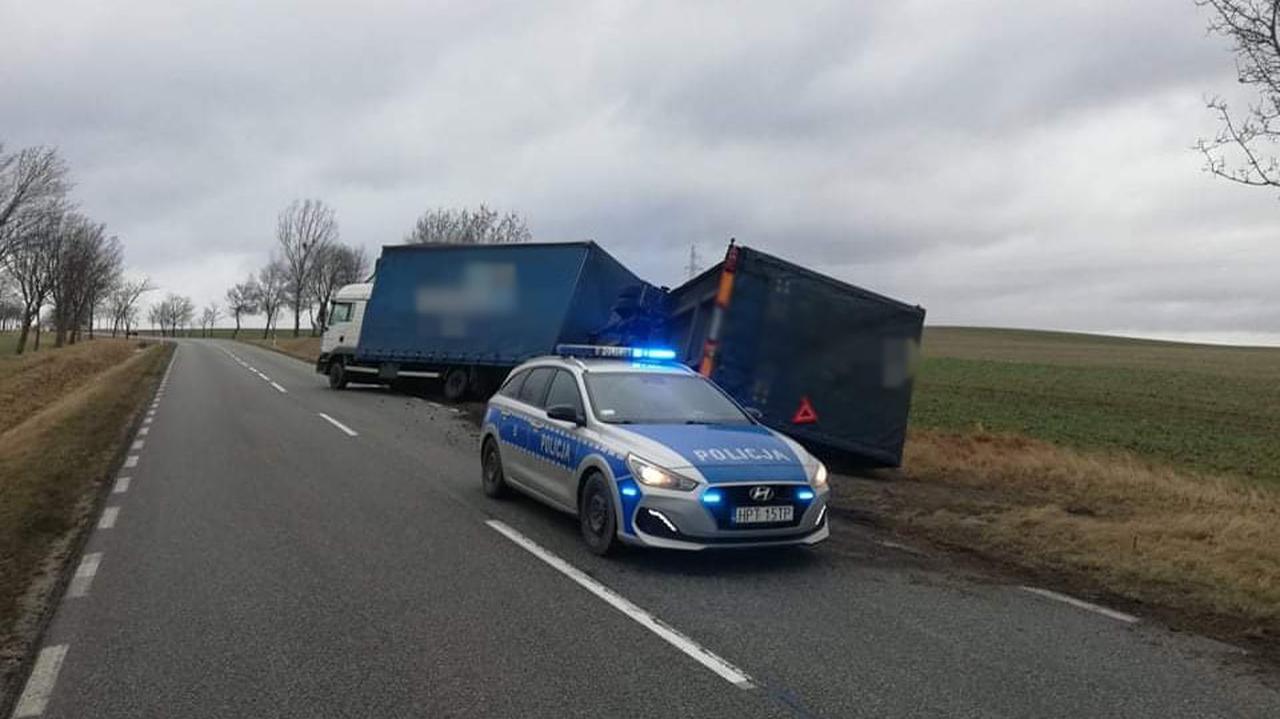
(762, 515)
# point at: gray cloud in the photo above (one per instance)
(1021, 164)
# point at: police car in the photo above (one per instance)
(645, 451)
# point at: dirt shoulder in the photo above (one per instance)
(1198, 552)
(55, 467)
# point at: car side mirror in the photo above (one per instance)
(566, 413)
(755, 413)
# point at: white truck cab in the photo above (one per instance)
(342, 323)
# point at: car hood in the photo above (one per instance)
(728, 452)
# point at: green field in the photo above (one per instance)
(1208, 408)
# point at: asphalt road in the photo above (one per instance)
(264, 562)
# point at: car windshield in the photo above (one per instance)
(656, 398)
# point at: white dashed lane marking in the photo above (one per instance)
(84, 575)
(109, 516)
(350, 432)
(143, 431)
(35, 697)
(137, 445)
(131, 461)
(279, 388)
(698, 653)
(122, 485)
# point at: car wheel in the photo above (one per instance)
(596, 516)
(492, 478)
(337, 375)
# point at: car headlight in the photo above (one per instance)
(820, 475)
(651, 475)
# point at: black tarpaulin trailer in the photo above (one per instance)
(826, 362)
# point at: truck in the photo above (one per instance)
(823, 361)
(467, 314)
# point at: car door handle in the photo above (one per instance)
(535, 424)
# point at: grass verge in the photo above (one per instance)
(53, 469)
(30, 382)
(1200, 550)
(306, 349)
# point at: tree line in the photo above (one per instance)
(59, 269)
(62, 272)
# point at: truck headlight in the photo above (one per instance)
(820, 475)
(651, 475)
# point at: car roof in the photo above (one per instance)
(596, 364)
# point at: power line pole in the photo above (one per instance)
(695, 262)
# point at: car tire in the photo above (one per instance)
(337, 375)
(596, 516)
(492, 479)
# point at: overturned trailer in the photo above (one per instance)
(824, 361)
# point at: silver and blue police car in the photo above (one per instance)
(645, 451)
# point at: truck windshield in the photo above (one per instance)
(653, 398)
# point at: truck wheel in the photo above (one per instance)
(492, 479)
(337, 375)
(455, 384)
(481, 383)
(596, 516)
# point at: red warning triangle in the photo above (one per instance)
(804, 413)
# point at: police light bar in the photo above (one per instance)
(640, 353)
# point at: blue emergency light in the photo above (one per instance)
(603, 351)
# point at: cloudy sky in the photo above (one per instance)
(1021, 164)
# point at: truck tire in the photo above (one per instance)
(337, 374)
(456, 382)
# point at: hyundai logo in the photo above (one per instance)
(761, 494)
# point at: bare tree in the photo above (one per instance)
(303, 230)
(156, 316)
(32, 264)
(172, 313)
(273, 283)
(80, 261)
(209, 318)
(242, 299)
(10, 304)
(336, 266)
(122, 305)
(1244, 150)
(481, 226)
(32, 180)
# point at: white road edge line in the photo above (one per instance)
(1081, 604)
(122, 485)
(35, 696)
(84, 575)
(109, 516)
(281, 389)
(698, 653)
(339, 425)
